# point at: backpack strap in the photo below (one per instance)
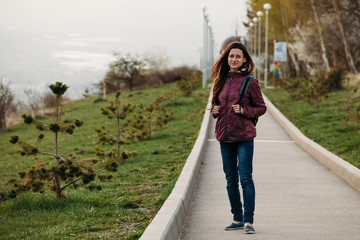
(245, 87)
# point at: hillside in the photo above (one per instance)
(128, 201)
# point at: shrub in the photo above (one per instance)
(189, 82)
(310, 90)
(335, 78)
(170, 75)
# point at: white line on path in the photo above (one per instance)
(261, 141)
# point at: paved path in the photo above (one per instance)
(296, 197)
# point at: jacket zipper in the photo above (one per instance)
(227, 101)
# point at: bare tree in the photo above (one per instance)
(349, 57)
(33, 101)
(6, 99)
(323, 49)
(156, 59)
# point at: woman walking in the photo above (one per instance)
(235, 131)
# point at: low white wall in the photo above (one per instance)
(168, 221)
(345, 170)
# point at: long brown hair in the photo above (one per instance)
(221, 68)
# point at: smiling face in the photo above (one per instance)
(235, 59)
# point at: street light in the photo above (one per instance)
(252, 39)
(255, 30)
(211, 49)
(205, 48)
(207, 64)
(259, 14)
(267, 7)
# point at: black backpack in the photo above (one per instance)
(243, 90)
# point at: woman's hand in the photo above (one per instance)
(216, 110)
(238, 109)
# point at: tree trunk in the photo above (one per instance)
(118, 137)
(323, 49)
(57, 180)
(3, 123)
(346, 47)
(149, 129)
(291, 54)
(285, 28)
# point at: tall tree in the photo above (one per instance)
(125, 71)
(323, 49)
(349, 57)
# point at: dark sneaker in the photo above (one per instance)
(235, 226)
(249, 230)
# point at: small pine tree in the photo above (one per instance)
(115, 111)
(66, 169)
(152, 117)
(86, 93)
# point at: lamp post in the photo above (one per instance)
(205, 48)
(252, 39)
(209, 54)
(211, 49)
(255, 30)
(267, 7)
(259, 14)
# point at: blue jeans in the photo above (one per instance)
(237, 160)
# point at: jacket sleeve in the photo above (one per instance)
(257, 106)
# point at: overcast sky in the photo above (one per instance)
(43, 41)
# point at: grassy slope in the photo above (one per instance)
(325, 126)
(127, 203)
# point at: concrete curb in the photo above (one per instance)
(337, 165)
(168, 221)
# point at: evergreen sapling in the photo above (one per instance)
(115, 156)
(65, 170)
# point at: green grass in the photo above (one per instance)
(127, 203)
(326, 126)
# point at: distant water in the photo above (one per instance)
(36, 61)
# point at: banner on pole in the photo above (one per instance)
(280, 50)
(276, 69)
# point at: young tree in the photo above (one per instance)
(65, 169)
(151, 117)
(86, 93)
(118, 112)
(322, 43)
(348, 55)
(6, 99)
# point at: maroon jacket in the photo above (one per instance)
(233, 127)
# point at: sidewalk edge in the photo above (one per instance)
(168, 221)
(337, 165)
